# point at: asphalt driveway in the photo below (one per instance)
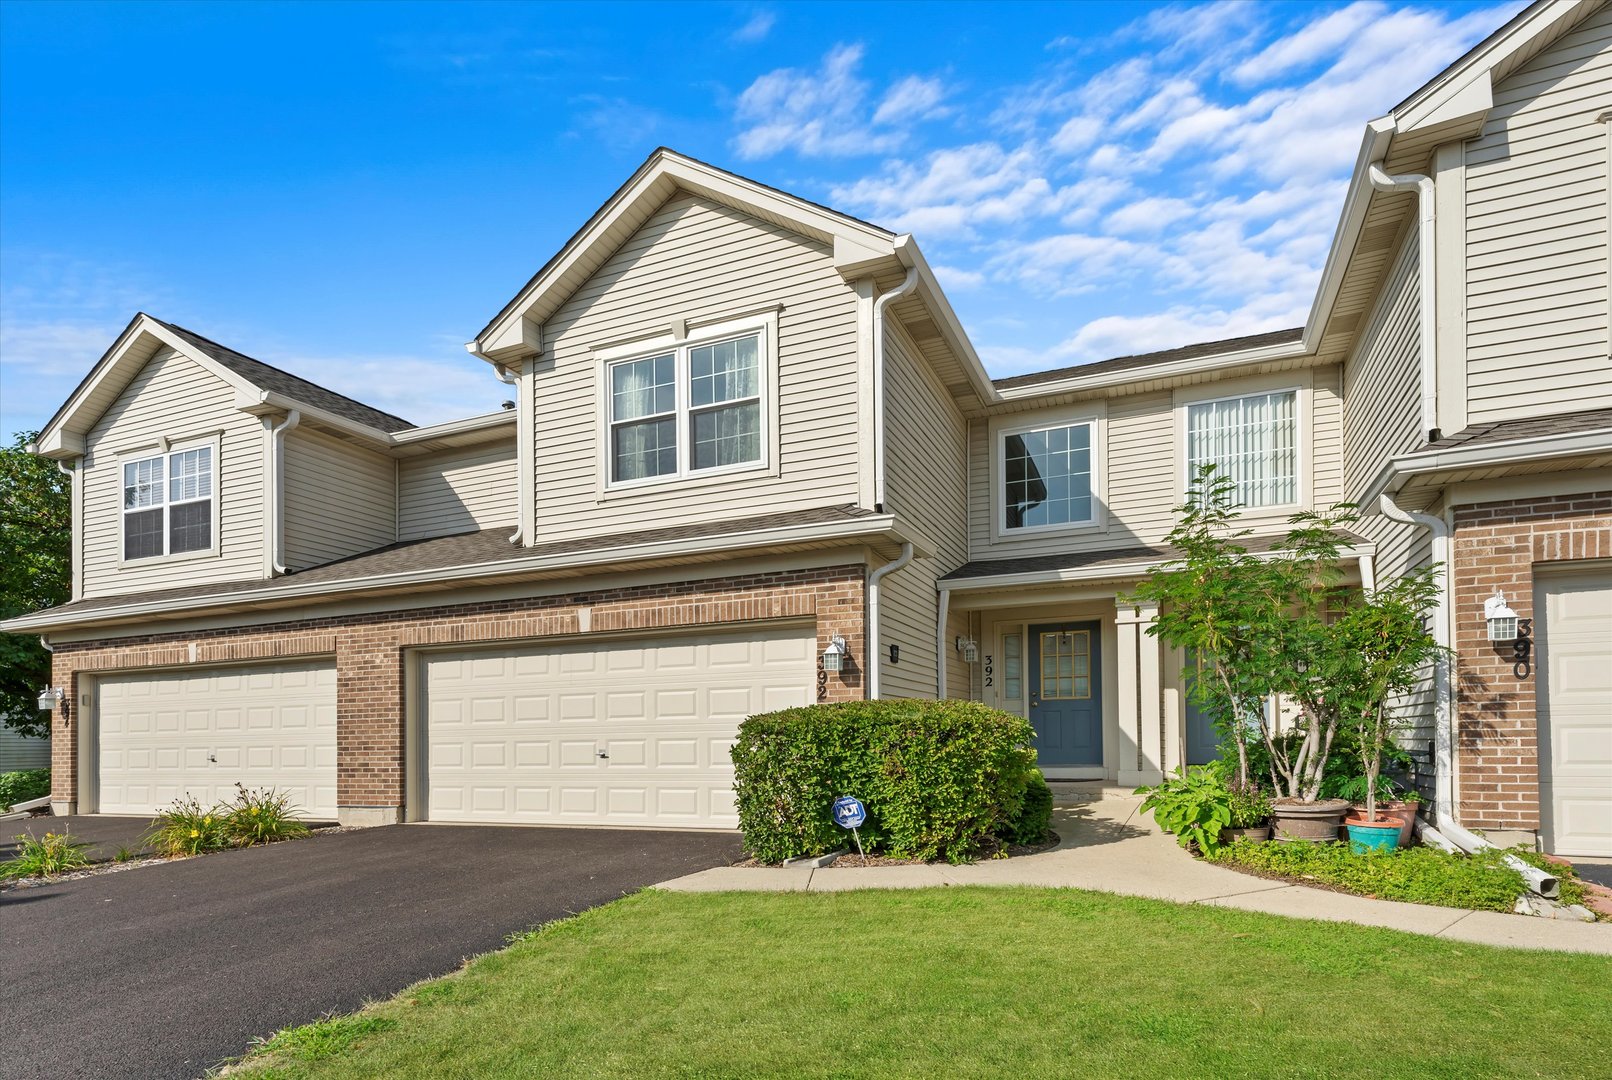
(162, 971)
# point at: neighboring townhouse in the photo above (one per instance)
(752, 460)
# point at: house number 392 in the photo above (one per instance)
(990, 670)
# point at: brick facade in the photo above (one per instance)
(1499, 546)
(370, 650)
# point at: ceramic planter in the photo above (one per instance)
(1312, 822)
(1377, 834)
(1257, 833)
(1402, 812)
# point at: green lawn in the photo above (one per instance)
(972, 982)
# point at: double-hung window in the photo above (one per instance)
(1047, 477)
(1253, 440)
(691, 409)
(168, 503)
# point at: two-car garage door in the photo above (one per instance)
(630, 732)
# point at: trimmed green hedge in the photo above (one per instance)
(937, 777)
(16, 787)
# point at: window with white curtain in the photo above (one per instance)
(1251, 439)
(168, 504)
(692, 409)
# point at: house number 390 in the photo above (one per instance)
(990, 670)
(1522, 649)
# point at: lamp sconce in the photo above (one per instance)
(834, 655)
(49, 698)
(970, 650)
(1501, 619)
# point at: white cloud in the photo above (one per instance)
(756, 28)
(913, 98)
(1314, 42)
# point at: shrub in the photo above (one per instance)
(1034, 818)
(46, 856)
(1418, 875)
(188, 828)
(261, 816)
(21, 786)
(1195, 805)
(937, 777)
(1250, 807)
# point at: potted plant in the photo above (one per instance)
(1250, 814)
(1404, 805)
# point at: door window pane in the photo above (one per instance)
(1047, 477)
(1066, 665)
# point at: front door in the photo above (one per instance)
(1066, 701)
(1203, 741)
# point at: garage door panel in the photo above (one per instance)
(263, 727)
(665, 712)
(1575, 712)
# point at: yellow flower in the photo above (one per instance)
(208, 820)
(254, 809)
(194, 834)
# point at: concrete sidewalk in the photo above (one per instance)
(1108, 846)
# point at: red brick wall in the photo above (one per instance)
(1498, 546)
(369, 653)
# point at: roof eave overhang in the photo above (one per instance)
(864, 529)
(1432, 465)
(1174, 369)
(1125, 571)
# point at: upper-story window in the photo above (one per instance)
(691, 409)
(1254, 440)
(1047, 475)
(168, 503)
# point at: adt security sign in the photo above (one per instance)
(849, 812)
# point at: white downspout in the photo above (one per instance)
(873, 658)
(1382, 181)
(907, 285)
(1368, 574)
(277, 437)
(509, 378)
(1443, 718)
(76, 563)
(944, 610)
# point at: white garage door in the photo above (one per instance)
(165, 736)
(1575, 712)
(631, 732)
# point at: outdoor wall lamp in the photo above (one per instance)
(49, 698)
(970, 650)
(1501, 619)
(834, 655)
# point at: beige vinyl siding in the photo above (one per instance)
(1326, 433)
(19, 751)
(340, 499)
(176, 398)
(1536, 235)
(1382, 413)
(926, 486)
(700, 261)
(459, 490)
(1401, 549)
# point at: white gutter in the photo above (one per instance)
(465, 426)
(299, 589)
(873, 658)
(1126, 376)
(907, 285)
(940, 643)
(1425, 254)
(509, 378)
(1459, 839)
(277, 449)
(1102, 572)
(1443, 714)
(1488, 455)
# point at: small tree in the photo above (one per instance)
(1277, 623)
(36, 571)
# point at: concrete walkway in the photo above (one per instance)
(1108, 846)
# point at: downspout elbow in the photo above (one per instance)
(277, 435)
(1425, 188)
(874, 579)
(908, 283)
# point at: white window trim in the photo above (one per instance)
(1301, 425)
(1097, 421)
(164, 450)
(765, 327)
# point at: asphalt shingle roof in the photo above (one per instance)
(1530, 427)
(1084, 560)
(1165, 356)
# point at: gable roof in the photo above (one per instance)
(1200, 351)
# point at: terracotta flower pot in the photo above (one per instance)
(1312, 822)
(1257, 833)
(1404, 813)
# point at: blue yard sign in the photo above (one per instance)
(848, 814)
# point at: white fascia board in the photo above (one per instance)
(506, 332)
(758, 538)
(466, 426)
(1174, 369)
(1392, 476)
(934, 297)
(1373, 146)
(1111, 571)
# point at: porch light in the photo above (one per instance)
(49, 698)
(834, 656)
(1501, 619)
(970, 650)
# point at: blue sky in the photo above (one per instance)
(352, 190)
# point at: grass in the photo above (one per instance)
(1416, 875)
(970, 982)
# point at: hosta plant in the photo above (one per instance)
(45, 856)
(1195, 805)
(262, 816)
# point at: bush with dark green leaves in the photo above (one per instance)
(21, 786)
(937, 777)
(1034, 819)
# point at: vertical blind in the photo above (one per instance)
(1253, 440)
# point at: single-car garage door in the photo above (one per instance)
(625, 732)
(1575, 712)
(164, 736)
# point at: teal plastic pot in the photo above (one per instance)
(1366, 836)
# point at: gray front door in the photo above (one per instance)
(1203, 741)
(1066, 700)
